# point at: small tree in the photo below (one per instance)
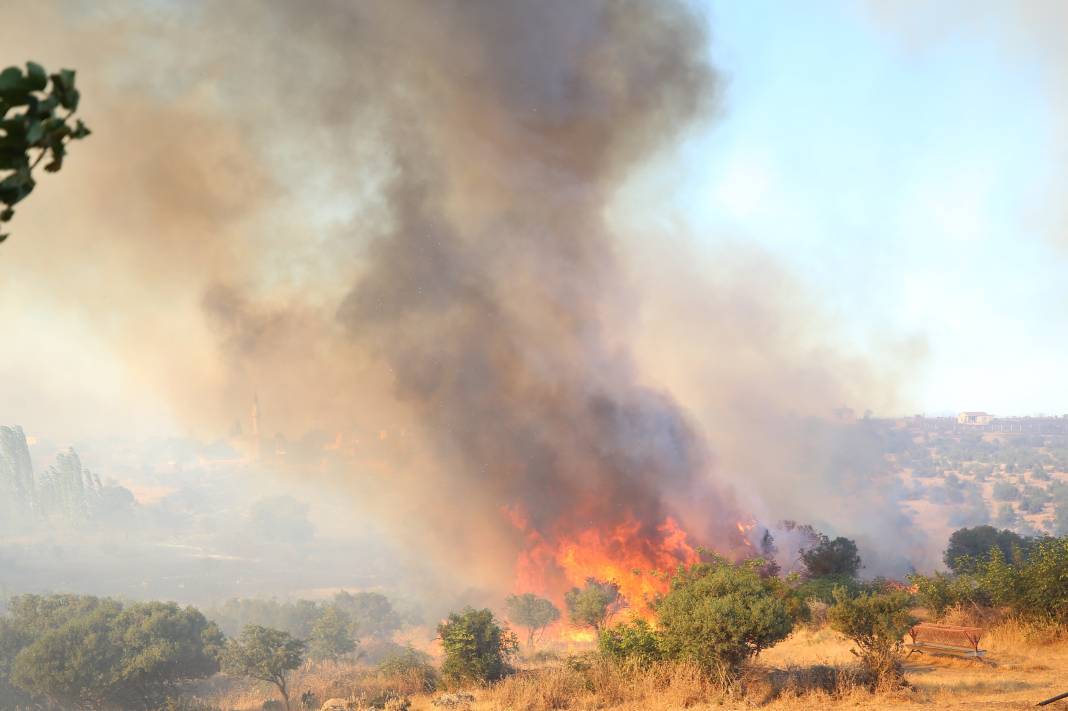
(331, 635)
(533, 612)
(831, 557)
(39, 127)
(594, 604)
(876, 623)
(477, 649)
(719, 615)
(264, 654)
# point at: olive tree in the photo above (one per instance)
(533, 612)
(78, 652)
(372, 614)
(837, 556)
(264, 654)
(593, 604)
(719, 615)
(331, 635)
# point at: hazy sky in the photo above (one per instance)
(905, 165)
(909, 165)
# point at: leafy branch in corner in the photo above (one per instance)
(42, 129)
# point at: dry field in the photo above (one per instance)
(813, 669)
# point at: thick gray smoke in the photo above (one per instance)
(394, 216)
(493, 315)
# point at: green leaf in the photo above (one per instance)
(6, 215)
(36, 78)
(63, 89)
(13, 158)
(11, 79)
(80, 130)
(35, 133)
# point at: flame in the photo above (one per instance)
(636, 559)
(580, 635)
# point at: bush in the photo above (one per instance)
(876, 623)
(634, 641)
(412, 666)
(1036, 589)
(719, 615)
(822, 588)
(940, 593)
(477, 649)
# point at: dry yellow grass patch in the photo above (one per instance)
(812, 669)
(1023, 667)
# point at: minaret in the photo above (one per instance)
(257, 442)
(256, 418)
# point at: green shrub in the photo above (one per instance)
(412, 665)
(477, 649)
(633, 641)
(876, 623)
(719, 615)
(822, 588)
(940, 592)
(1035, 589)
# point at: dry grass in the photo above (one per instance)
(602, 684)
(326, 680)
(813, 669)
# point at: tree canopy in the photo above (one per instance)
(876, 623)
(831, 557)
(719, 614)
(331, 636)
(969, 546)
(593, 604)
(265, 654)
(477, 648)
(533, 612)
(35, 124)
(372, 614)
(78, 651)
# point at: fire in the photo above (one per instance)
(633, 557)
(581, 636)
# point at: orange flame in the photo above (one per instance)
(638, 561)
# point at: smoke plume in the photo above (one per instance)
(394, 216)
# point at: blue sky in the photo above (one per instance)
(907, 184)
